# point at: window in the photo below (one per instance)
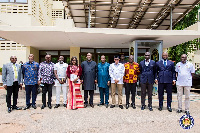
(14, 1)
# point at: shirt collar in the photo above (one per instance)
(31, 63)
(148, 60)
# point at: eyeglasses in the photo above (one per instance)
(116, 59)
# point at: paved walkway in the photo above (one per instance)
(94, 120)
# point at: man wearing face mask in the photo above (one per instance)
(165, 78)
(185, 70)
(147, 77)
(30, 71)
(60, 83)
(46, 77)
(89, 79)
(12, 80)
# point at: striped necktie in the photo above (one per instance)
(15, 71)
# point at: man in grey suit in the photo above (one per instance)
(12, 80)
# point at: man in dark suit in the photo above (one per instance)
(165, 78)
(147, 78)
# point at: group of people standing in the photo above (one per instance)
(89, 74)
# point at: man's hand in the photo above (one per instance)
(116, 81)
(108, 83)
(95, 81)
(156, 81)
(174, 82)
(5, 86)
(39, 82)
(20, 86)
(60, 81)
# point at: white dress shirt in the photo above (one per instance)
(116, 72)
(184, 73)
(147, 62)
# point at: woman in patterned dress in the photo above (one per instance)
(74, 97)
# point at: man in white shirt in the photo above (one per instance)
(116, 72)
(185, 71)
(61, 82)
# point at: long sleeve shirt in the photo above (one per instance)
(116, 72)
(103, 74)
(131, 72)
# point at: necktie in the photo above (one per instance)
(165, 63)
(15, 71)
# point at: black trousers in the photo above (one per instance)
(168, 87)
(14, 89)
(91, 93)
(31, 89)
(46, 88)
(130, 87)
(149, 88)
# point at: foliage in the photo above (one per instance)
(140, 58)
(0, 69)
(175, 52)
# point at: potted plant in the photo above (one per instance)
(0, 71)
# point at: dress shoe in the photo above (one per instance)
(34, 106)
(133, 106)
(169, 109)
(85, 105)
(112, 106)
(127, 106)
(150, 108)
(160, 108)
(57, 105)
(27, 107)
(106, 105)
(100, 104)
(187, 112)
(49, 106)
(65, 105)
(17, 108)
(179, 111)
(143, 107)
(9, 110)
(92, 105)
(43, 106)
(121, 107)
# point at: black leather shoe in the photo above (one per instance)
(179, 111)
(27, 107)
(127, 106)
(112, 106)
(17, 108)
(100, 104)
(187, 112)
(160, 108)
(92, 105)
(143, 107)
(150, 108)
(49, 106)
(169, 109)
(65, 105)
(106, 105)
(85, 105)
(43, 106)
(121, 107)
(133, 106)
(57, 105)
(9, 110)
(34, 106)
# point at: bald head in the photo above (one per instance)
(164, 55)
(183, 58)
(13, 59)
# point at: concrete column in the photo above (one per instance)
(75, 51)
(31, 50)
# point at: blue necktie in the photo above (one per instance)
(165, 63)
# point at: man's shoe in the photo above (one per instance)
(127, 106)
(179, 111)
(92, 105)
(34, 106)
(112, 106)
(49, 106)
(106, 105)
(169, 109)
(17, 108)
(150, 108)
(85, 105)
(133, 106)
(43, 106)
(143, 107)
(9, 110)
(65, 105)
(121, 107)
(57, 105)
(187, 112)
(27, 107)
(100, 104)
(160, 108)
